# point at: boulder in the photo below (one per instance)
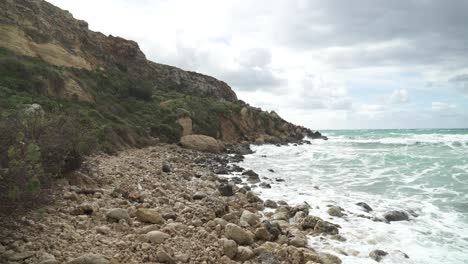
(377, 254)
(226, 189)
(166, 167)
(90, 259)
(244, 253)
(249, 218)
(202, 143)
(157, 237)
(149, 216)
(236, 233)
(267, 258)
(365, 206)
(229, 247)
(270, 204)
(396, 216)
(199, 195)
(252, 176)
(116, 214)
(335, 211)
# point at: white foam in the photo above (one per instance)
(346, 177)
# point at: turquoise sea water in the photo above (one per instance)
(425, 171)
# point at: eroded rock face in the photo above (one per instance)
(202, 143)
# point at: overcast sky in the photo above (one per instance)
(323, 64)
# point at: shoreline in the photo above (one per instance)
(162, 204)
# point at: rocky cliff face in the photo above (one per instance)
(82, 65)
(39, 29)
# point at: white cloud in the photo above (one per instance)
(399, 96)
(442, 106)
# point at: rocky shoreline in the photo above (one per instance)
(162, 204)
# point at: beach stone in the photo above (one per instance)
(21, 256)
(262, 234)
(90, 259)
(273, 228)
(299, 208)
(308, 222)
(226, 189)
(166, 167)
(157, 237)
(326, 227)
(270, 204)
(229, 247)
(104, 230)
(281, 216)
(330, 259)
(365, 206)
(199, 195)
(298, 240)
(251, 176)
(265, 185)
(335, 211)
(252, 198)
(244, 253)
(116, 214)
(249, 218)
(396, 216)
(149, 216)
(163, 256)
(377, 254)
(236, 233)
(267, 258)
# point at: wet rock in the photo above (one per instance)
(229, 248)
(279, 180)
(199, 196)
(396, 216)
(149, 216)
(271, 170)
(270, 204)
(226, 189)
(299, 208)
(242, 149)
(116, 214)
(326, 227)
(90, 259)
(157, 237)
(297, 239)
(335, 211)
(236, 233)
(252, 198)
(365, 206)
(236, 180)
(377, 254)
(330, 259)
(244, 253)
(281, 216)
(251, 176)
(166, 167)
(265, 185)
(273, 228)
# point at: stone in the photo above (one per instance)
(252, 176)
(281, 216)
(21, 256)
(166, 167)
(267, 258)
(90, 259)
(377, 254)
(335, 211)
(226, 189)
(229, 248)
(104, 230)
(252, 198)
(236, 233)
(116, 214)
(244, 253)
(164, 257)
(273, 228)
(265, 185)
(262, 234)
(299, 208)
(326, 227)
(396, 216)
(157, 237)
(249, 218)
(270, 204)
(149, 216)
(199, 196)
(298, 240)
(365, 206)
(330, 259)
(202, 143)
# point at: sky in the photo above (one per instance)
(323, 64)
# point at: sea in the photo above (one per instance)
(422, 171)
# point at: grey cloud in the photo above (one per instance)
(460, 82)
(435, 31)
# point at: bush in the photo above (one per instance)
(34, 150)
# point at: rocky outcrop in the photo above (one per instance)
(37, 28)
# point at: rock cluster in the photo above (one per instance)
(130, 210)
